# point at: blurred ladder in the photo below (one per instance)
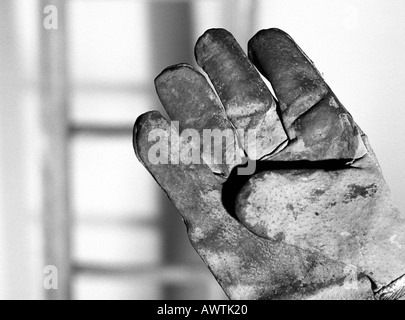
(55, 94)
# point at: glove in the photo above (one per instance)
(282, 198)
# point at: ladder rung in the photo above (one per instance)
(100, 130)
(151, 273)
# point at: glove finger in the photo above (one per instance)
(248, 102)
(189, 99)
(320, 127)
(154, 141)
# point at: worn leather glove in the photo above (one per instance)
(309, 216)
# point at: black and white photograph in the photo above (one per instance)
(221, 151)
